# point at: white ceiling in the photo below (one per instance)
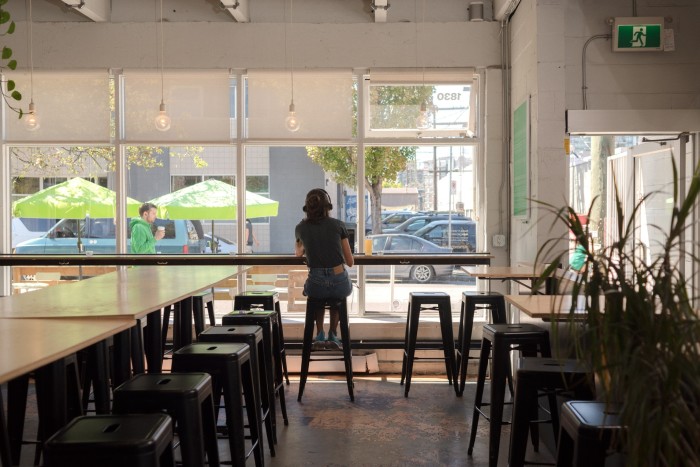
(259, 11)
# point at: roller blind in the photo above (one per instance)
(323, 101)
(407, 76)
(197, 102)
(72, 106)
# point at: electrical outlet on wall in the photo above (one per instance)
(499, 241)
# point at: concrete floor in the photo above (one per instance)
(381, 428)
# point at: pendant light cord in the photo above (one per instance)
(291, 55)
(423, 27)
(162, 92)
(31, 53)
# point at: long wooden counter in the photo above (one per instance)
(132, 292)
(27, 344)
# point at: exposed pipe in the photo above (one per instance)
(583, 65)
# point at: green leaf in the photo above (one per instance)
(6, 53)
(10, 85)
(11, 29)
(16, 95)
(2, 2)
(4, 16)
(12, 64)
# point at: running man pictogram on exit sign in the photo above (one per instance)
(638, 34)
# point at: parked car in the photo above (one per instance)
(417, 222)
(388, 218)
(387, 244)
(391, 219)
(27, 228)
(225, 246)
(98, 236)
(460, 235)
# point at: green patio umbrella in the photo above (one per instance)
(212, 199)
(76, 198)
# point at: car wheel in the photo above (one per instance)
(422, 273)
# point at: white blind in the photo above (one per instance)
(72, 106)
(323, 102)
(198, 103)
(416, 76)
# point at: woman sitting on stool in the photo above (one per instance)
(324, 242)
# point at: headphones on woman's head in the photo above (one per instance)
(325, 198)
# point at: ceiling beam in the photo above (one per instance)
(238, 9)
(379, 7)
(96, 10)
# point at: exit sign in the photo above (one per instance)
(637, 34)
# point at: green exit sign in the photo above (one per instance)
(638, 34)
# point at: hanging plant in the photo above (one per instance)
(10, 94)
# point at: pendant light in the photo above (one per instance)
(31, 119)
(292, 121)
(162, 120)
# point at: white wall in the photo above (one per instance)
(547, 39)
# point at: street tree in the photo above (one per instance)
(393, 107)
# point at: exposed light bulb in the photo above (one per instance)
(423, 120)
(292, 122)
(162, 119)
(31, 119)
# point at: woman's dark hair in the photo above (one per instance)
(317, 204)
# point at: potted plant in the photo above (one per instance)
(641, 331)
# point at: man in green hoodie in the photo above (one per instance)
(142, 239)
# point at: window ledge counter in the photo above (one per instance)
(229, 260)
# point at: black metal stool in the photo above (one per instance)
(313, 304)
(253, 336)
(95, 375)
(187, 312)
(199, 301)
(554, 376)
(494, 302)
(527, 338)
(267, 320)
(231, 370)
(418, 301)
(58, 401)
(265, 301)
(187, 398)
(113, 441)
(588, 430)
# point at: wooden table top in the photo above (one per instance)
(128, 292)
(27, 344)
(545, 306)
(504, 272)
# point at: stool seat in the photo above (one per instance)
(253, 336)
(266, 300)
(230, 367)
(312, 305)
(587, 433)
(493, 302)
(113, 441)
(547, 374)
(418, 301)
(188, 398)
(530, 340)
